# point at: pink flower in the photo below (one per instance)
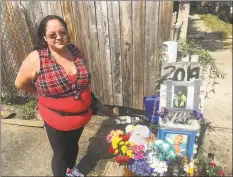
(138, 156)
(109, 139)
(221, 173)
(212, 164)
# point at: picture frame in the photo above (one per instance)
(183, 95)
(185, 142)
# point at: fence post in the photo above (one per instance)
(183, 17)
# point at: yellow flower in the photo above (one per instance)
(131, 144)
(119, 132)
(129, 153)
(112, 133)
(115, 141)
(116, 151)
(122, 143)
(124, 149)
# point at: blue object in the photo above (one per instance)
(187, 147)
(149, 102)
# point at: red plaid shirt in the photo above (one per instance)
(53, 81)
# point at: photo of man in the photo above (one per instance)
(180, 97)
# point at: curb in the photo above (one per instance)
(28, 123)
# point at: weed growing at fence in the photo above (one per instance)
(26, 106)
(28, 110)
(9, 95)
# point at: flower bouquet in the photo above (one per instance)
(120, 146)
(138, 149)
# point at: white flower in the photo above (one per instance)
(128, 129)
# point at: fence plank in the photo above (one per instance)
(8, 62)
(12, 42)
(138, 52)
(56, 8)
(37, 12)
(167, 19)
(30, 21)
(45, 7)
(115, 45)
(87, 35)
(28, 41)
(93, 52)
(151, 30)
(103, 37)
(15, 35)
(67, 15)
(126, 48)
(118, 39)
(79, 37)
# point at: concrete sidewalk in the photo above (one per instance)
(26, 151)
(218, 107)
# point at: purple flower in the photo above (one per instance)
(164, 110)
(195, 111)
(199, 115)
(141, 168)
(162, 115)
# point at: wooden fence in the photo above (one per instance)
(118, 38)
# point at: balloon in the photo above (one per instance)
(158, 143)
(171, 155)
(165, 147)
(169, 141)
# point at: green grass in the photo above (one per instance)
(214, 24)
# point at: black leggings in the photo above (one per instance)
(65, 148)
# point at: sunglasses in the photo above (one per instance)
(60, 33)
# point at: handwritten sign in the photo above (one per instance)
(181, 71)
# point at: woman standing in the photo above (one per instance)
(56, 71)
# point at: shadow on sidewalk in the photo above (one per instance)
(97, 154)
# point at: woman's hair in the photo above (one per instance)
(42, 29)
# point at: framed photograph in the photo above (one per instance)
(183, 141)
(183, 96)
(179, 96)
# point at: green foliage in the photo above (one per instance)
(214, 24)
(25, 104)
(201, 157)
(223, 29)
(28, 110)
(213, 170)
(186, 47)
(9, 95)
(189, 48)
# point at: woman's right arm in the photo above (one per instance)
(28, 72)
